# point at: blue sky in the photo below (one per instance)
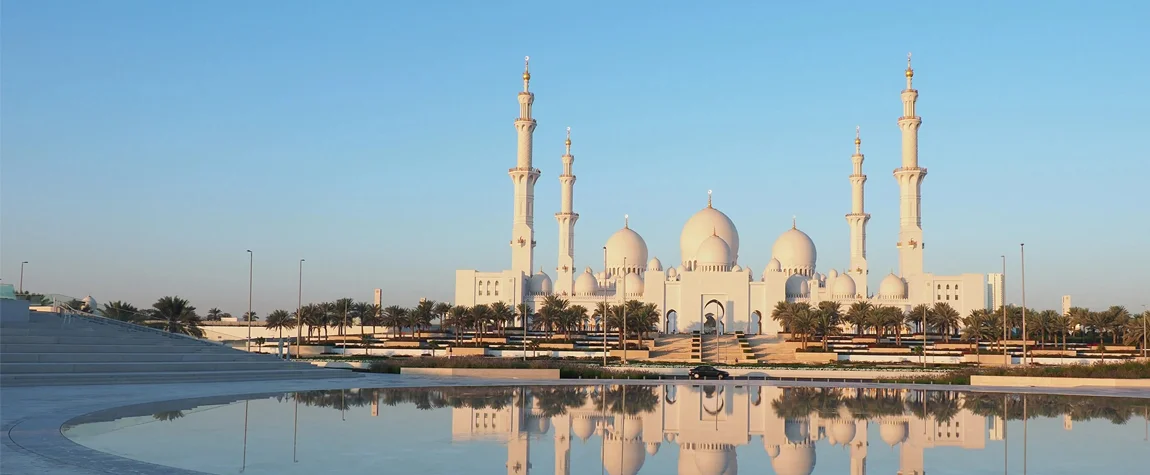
(146, 145)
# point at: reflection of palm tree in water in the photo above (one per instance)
(168, 415)
(556, 400)
(640, 399)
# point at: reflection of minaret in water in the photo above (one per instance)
(909, 177)
(562, 427)
(519, 445)
(565, 280)
(524, 176)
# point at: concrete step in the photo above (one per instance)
(147, 366)
(119, 338)
(110, 346)
(69, 379)
(40, 357)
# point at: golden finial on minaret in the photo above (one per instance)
(858, 141)
(708, 198)
(526, 72)
(909, 71)
(568, 142)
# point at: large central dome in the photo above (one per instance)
(704, 224)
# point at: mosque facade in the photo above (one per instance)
(710, 288)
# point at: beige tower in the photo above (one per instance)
(566, 271)
(857, 220)
(909, 177)
(524, 177)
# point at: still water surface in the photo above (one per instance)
(695, 429)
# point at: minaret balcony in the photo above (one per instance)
(910, 170)
(524, 169)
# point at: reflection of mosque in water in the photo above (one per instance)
(708, 422)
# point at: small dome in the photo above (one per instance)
(893, 432)
(844, 432)
(736, 268)
(90, 303)
(626, 245)
(832, 275)
(583, 428)
(892, 287)
(774, 266)
(844, 286)
(711, 461)
(654, 264)
(797, 285)
(585, 284)
(672, 272)
(794, 460)
(797, 431)
(623, 457)
(704, 224)
(540, 283)
(714, 251)
(633, 284)
(795, 251)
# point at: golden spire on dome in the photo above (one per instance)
(794, 222)
(526, 72)
(627, 221)
(708, 198)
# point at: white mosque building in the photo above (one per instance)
(710, 287)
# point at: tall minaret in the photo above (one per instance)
(909, 177)
(565, 280)
(857, 220)
(524, 176)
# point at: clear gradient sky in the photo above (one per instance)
(146, 145)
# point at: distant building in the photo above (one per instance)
(1066, 304)
(995, 291)
(379, 297)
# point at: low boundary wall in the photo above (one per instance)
(1037, 382)
(492, 373)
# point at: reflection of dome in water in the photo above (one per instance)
(713, 403)
(797, 431)
(844, 432)
(623, 457)
(794, 460)
(711, 461)
(772, 450)
(539, 425)
(583, 427)
(652, 448)
(893, 432)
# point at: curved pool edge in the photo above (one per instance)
(34, 441)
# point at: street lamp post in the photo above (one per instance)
(22, 276)
(624, 309)
(1005, 355)
(1022, 251)
(1145, 315)
(299, 312)
(251, 262)
(523, 302)
(924, 336)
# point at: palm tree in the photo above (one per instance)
(249, 317)
(642, 317)
(784, 313)
(600, 314)
(1135, 330)
(523, 311)
(342, 313)
(421, 315)
(441, 310)
(122, 311)
(884, 317)
(946, 319)
(1118, 317)
(828, 321)
(214, 314)
(859, 315)
(178, 316)
(480, 316)
(577, 316)
(1064, 325)
(501, 313)
(457, 319)
(394, 316)
(279, 320)
(803, 320)
(313, 316)
(551, 311)
(977, 326)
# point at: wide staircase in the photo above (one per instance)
(66, 349)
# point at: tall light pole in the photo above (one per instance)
(1005, 355)
(924, 337)
(299, 312)
(1022, 252)
(523, 302)
(22, 276)
(1145, 316)
(603, 324)
(251, 261)
(624, 309)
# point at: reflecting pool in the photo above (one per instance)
(624, 430)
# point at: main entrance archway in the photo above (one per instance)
(713, 313)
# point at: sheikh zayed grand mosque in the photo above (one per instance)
(710, 288)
